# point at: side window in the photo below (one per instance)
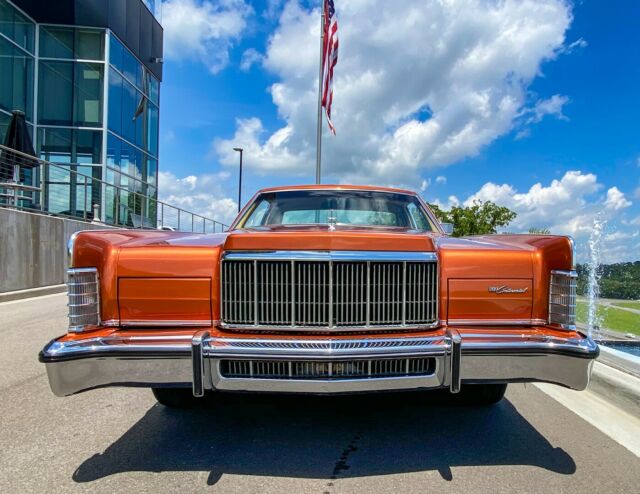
(258, 214)
(417, 217)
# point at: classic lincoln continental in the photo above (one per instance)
(320, 289)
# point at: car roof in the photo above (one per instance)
(336, 187)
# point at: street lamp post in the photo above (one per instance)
(239, 180)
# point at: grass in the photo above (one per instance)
(615, 319)
(628, 305)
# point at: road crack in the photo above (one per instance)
(342, 464)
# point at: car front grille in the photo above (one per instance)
(310, 370)
(336, 295)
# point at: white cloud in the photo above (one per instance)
(203, 30)
(616, 200)
(552, 106)
(578, 44)
(202, 194)
(441, 179)
(567, 206)
(418, 85)
(249, 58)
(425, 184)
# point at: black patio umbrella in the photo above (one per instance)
(17, 138)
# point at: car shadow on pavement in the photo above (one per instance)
(326, 438)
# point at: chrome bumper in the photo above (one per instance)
(176, 361)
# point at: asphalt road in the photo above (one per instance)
(119, 440)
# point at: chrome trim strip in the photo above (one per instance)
(232, 310)
(455, 358)
(197, 359)
(329, 329)
(334, 255)
(497, 322)
(562, 272)
(163, 323)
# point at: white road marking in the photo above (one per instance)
(620, 426)
(29, 299)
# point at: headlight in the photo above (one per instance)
(562, 298)
(84, 299)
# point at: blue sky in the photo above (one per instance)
(484, 100)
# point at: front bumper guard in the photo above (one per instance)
(178, 361)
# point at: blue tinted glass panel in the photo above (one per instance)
(115, 53)
(130, 99)
(115, 101)
(88, 94)
(89, 44)
(56, 42)
(16, 26)
(114, 146)
(16, 79)
(154, 89)
(152, 130)
(55, 93)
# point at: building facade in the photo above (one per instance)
(87, 75)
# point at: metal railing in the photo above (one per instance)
(33, 184)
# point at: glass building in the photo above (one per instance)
(87, 75)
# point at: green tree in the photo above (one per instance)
(478, 219)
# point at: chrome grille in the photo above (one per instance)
(562, 298)
(344, 369)
(329, 294)
(84, 298)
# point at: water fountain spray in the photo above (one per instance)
(594, 320)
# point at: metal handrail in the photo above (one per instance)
(136, 209)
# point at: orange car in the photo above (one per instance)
(320, 289)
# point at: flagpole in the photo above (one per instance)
(319, 129)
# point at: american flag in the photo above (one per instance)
(329, 58)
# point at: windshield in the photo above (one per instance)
(355, 208)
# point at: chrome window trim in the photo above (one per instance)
(330, 257)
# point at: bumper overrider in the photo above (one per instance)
(449, 359)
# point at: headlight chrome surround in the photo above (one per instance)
(563, 287)
(572, 243)
(83, 285)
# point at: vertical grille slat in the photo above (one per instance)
(338, 294)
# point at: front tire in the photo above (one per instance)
(176, 397)
(480, 395)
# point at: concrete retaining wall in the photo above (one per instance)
(33, 249)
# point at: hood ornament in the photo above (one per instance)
(499, 290)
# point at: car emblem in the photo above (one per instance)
(499, 290)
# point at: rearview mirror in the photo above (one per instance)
(447, 228)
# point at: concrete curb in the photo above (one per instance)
(620, 360)
(619, 388)
(32, 292)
